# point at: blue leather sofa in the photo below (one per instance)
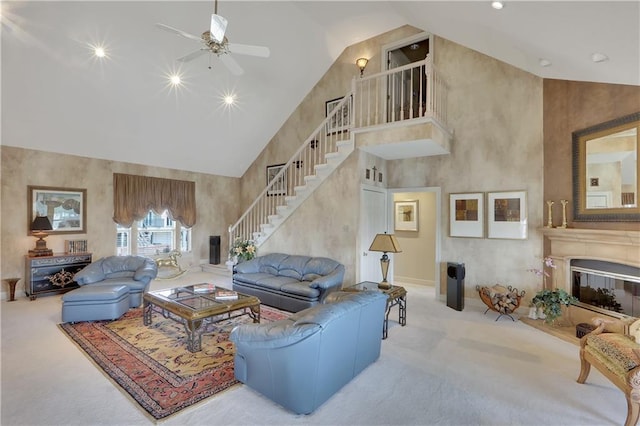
(136, 272)
(301, 361)
(289, 282)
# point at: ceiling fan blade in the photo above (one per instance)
(231, 63)
(191, 56)
(218, 28)
(246, 49)
(179, 32)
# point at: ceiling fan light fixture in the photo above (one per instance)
(218, 28)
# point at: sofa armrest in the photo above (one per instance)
(277, 334)
(146, 272)
(247, 267)
(90, 274)
(329, 283)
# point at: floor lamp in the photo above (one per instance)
(385, 243)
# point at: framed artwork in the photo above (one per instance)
(66, 208)
(280, 186)
(507, 215)
(339, 122)
(466, 215)
(406, 215)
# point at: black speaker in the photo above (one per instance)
(214, 249)
(455, 285)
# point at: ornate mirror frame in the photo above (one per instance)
(580, 138)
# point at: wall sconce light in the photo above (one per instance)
(362, 64)
(38, 227)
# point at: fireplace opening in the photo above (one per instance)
(606, 286)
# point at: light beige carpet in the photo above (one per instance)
(444, 368)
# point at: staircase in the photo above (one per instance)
(414, 94)
(321, 153)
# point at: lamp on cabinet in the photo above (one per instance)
(39, 226)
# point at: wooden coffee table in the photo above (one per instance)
(196, 306)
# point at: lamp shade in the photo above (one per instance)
(41, 223)
(386, 243)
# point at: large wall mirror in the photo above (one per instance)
(605, 171)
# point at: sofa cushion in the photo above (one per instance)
(301, 289)
(317, 267)
(251, 278)
(133, 285)
(293, 266)
(270, 263)
(275, 283)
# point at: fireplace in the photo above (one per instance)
(601, 267)
(606, 287)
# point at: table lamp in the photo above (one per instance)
(38, 227)
(386, 243)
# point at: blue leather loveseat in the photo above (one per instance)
(301, 361)
(289, 282)
(135, 272)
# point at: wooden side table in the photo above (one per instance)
(12, 288)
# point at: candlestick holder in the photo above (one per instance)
(564, 213)
(550, 214)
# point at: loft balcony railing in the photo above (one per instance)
(405, 94)
(412, 91)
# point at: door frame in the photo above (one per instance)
(438, 231)
(360, 247)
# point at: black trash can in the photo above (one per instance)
(214, 249)
(455, 285)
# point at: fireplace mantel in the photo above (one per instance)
(597, 244)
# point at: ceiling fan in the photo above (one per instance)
(214, 41)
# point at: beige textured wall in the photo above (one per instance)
(496, 113)
(416, 264)
(327, 223)
(571, 106)
(216, 199)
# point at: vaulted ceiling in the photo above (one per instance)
(57, 97)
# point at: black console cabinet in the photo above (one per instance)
(53, 274)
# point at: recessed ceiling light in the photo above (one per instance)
(497, 5)
(544, 62)
(229, 99)
(99, 52)
(175, 80)
(599, 57)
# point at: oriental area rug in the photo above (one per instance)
(153, 365)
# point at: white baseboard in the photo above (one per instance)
(417, 281)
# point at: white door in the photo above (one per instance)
(373, 220)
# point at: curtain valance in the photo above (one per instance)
(134, 196)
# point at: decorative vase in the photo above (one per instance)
(541, 314)
(533, 312)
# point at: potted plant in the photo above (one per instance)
(551, 302)
(243, 250)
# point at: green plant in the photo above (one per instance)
(243, 249)
(551, 302)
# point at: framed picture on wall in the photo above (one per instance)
(466, 215)
(66, 208)
(339, 122)
(406, 215)
(507, 215)
(278, 187)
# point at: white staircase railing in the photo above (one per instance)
(321, 152)
(408, 92)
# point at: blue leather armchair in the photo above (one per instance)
(136, 272)
(301, 361)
